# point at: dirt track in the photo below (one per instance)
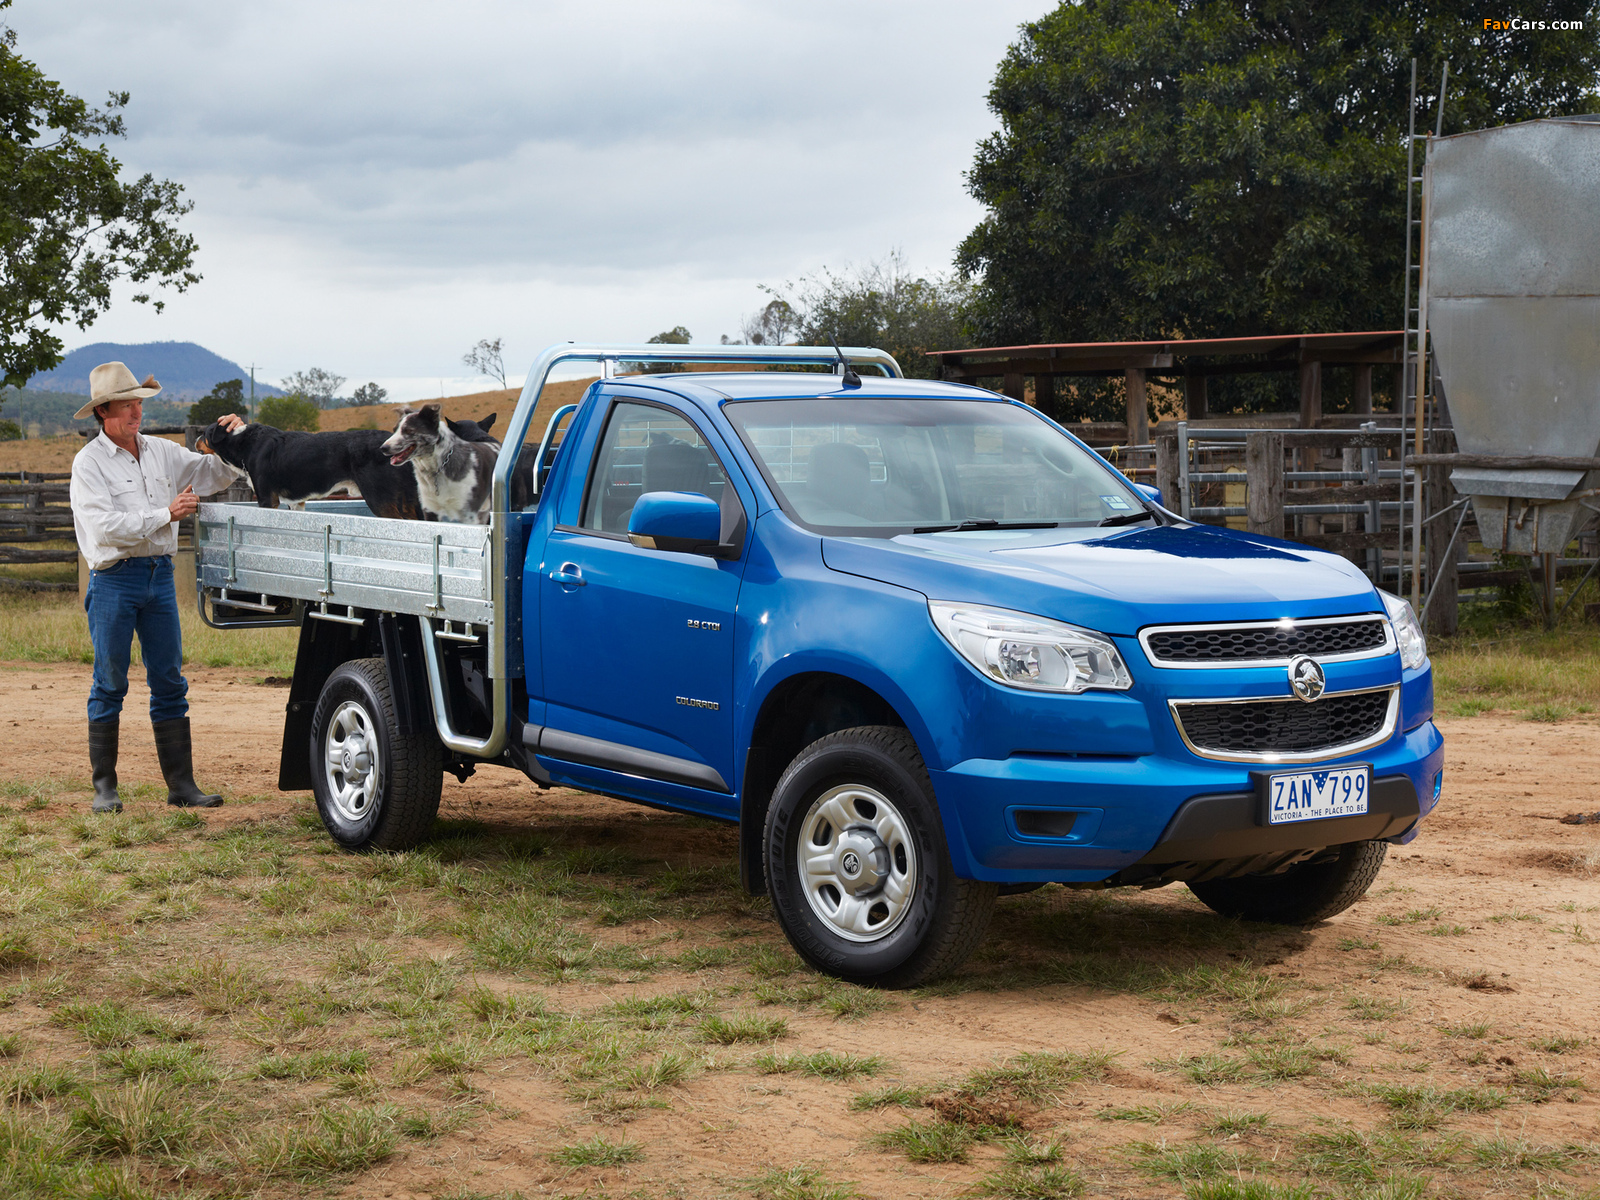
(1491, 851)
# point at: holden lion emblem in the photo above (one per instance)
(1306, 679)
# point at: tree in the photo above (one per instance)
(224, 398)
(368, 394)
(485, 359)
(70, 228)
(773, 325)
(316, 385)
(882, 305)
(1171, 168)
(292, 411)
(676, 336)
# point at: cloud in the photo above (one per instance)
(548, 161)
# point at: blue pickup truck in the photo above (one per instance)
(919, 642)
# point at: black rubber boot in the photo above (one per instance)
(176, 755)
(103, 765)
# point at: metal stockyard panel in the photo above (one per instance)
(420, 567)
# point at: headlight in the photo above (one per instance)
(1407, 632)
(1030, 652)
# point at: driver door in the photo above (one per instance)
(637, 644)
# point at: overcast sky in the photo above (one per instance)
(379, 185)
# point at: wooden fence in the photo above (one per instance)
(34, 509)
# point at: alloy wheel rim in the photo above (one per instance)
(857, 863)
(352, 763)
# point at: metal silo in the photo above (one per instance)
(1513, 285)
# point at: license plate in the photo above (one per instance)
(1316, 795)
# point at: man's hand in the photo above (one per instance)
(231, 422)
(184, 504)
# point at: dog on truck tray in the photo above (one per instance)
(453, 475)
(294, 466)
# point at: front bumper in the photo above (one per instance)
(1105, 814)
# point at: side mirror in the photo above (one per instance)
(1150, 492)
(683, 521)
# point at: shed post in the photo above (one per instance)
(1310, 394)
(1263, 460)
(1361, 389)
(1044, 395)
(1014, 386)
(1138, 414)
(1194, 397)
(1167, 469)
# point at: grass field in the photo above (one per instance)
(245, 1012)
(51, 627)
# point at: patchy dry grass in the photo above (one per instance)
(236, 1010)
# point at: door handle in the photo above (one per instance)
(569, 575)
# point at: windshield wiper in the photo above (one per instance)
(985, 523)
(1128, 518)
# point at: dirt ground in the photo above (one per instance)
(1509, 904)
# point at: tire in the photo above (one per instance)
(1303, 894)
(903, 918)
(375, 789)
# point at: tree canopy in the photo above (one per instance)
(70, 228)
(1190, 168)
(316, 385)
(225, 397)
(293, 411)
(881, 304)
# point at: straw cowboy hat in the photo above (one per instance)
(113, 381)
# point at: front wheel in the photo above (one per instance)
(1302, 895)
(375, 789)
(857, 866)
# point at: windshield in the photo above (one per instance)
(867, 466)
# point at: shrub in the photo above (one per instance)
(289, 412)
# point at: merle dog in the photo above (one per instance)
(453, 475)
(290, 465)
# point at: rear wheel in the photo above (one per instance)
(1302, 895)
(375, 789)
(857, 866)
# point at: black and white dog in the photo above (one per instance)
(453, 475)
(294, 466)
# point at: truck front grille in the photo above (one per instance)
(1286, 730)
(1266, 641)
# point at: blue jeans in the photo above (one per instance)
(135, 595)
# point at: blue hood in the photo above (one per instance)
(1116, 582)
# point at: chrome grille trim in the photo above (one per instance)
(1390, 720)
(1388, 646)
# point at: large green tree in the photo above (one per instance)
(1170, 168)
(70, 227)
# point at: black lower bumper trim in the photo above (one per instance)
(1209, 828)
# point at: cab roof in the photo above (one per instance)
(715, 387)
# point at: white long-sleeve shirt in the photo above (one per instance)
(119, 502)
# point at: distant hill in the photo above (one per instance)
(185, 370)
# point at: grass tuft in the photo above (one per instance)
(798, 1183)
(824, 1064)
(930, 1141)
(597, 1152)
(725, 1031)
(331, 1142)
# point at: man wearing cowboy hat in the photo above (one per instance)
(128, 494)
